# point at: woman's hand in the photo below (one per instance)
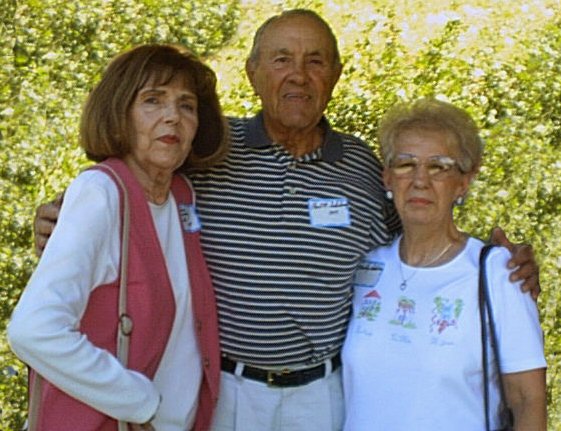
(523, 260)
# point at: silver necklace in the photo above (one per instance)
(404, 280)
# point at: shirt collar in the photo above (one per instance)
(331, 149)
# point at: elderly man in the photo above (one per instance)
(285, 220)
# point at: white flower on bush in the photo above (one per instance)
(478, 73)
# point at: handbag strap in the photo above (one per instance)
(486, 308)
(125, 321)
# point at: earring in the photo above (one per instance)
(389, 194)
(459, 200)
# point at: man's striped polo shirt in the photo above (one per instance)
(282, 237)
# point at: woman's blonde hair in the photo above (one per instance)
(433, 114)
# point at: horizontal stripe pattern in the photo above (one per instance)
(282, 285)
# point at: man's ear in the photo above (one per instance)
(337, 74)
(250, 72)
(338, 69)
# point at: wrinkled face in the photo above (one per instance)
(294, 74)
(165, 122)
(424, 178)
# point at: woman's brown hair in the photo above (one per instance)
(106, 128)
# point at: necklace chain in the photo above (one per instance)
(404, 281)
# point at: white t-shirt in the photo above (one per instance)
(412, 357)
(82, 253)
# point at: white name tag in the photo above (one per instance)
(189, 218)
(332, 212)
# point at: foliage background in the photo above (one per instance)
(500, 59)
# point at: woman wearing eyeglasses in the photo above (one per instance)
(413, 354)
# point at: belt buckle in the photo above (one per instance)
(272, 374)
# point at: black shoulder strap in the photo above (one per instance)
(486, 308)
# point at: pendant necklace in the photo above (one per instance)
(404, 280)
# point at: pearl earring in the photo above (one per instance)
(459, 200)
(389, 194)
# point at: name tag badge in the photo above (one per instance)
(332, 212)
(189, 218)
(368, 273)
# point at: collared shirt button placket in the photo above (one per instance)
(290, 180)
(290, 187)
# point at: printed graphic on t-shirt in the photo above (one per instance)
(370, 306)
(404, 313)
(445, 314)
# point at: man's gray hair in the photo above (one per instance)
(287, 14)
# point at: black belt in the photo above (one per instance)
(281, 378)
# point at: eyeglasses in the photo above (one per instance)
(438, 167)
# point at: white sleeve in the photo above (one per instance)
(519, 334)
(82, 253)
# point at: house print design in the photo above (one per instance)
(370, 306)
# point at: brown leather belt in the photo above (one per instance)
(283, 377)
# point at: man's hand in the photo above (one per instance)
(46, 217)
(142, 427)
(523, 260)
